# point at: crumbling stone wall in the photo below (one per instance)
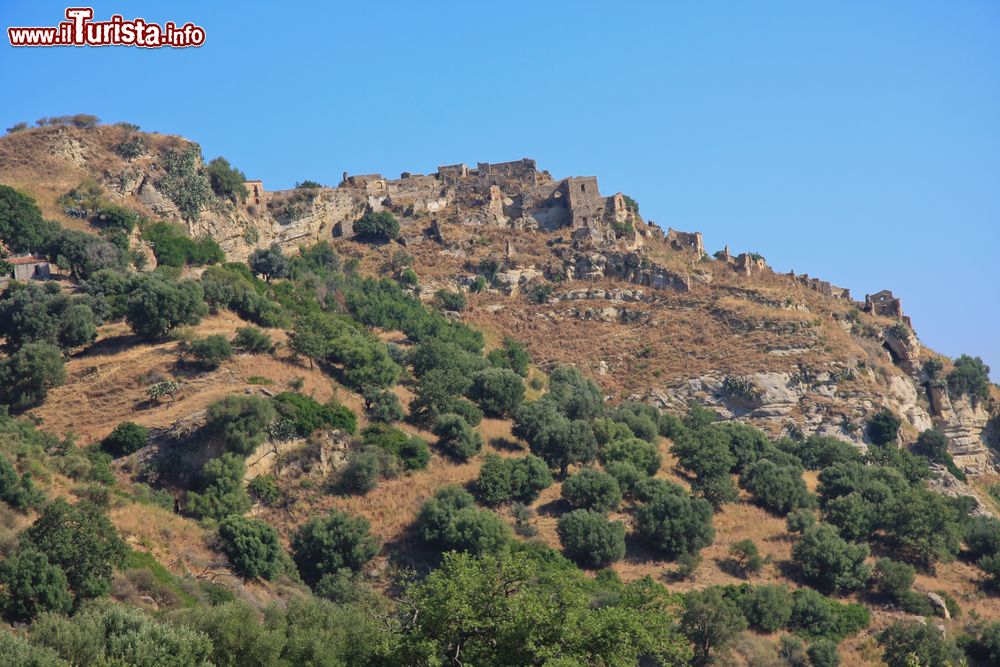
(821, 286)
(884, 304)
(255, 191)
(687, 241)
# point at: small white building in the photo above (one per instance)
(28, 267)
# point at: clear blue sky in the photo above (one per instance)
(855, 141)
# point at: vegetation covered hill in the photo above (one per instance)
(355, 451)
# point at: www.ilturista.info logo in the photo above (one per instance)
(80, 30)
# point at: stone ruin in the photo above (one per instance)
(687, 241)
(821, 286)
(884, 304)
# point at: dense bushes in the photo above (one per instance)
(211, 351)
(185, 182)
(451, 521)
(27, 375)
(642, 454)
(33, 585)
(970, 377)
(173, 247)
(590, 539)
(411, 451)
(308, 414)
(156, 306)
(883, 428)
(456, 438)
(30, 313)
(498, 391)
(252, 547)
(673, 522)
(592, 489)
(521, 479)
(239, 422)
(325, 545)
(829, 562)
(270, 262)
(226, 181)
(381, 226)
(22, 228)
(126, 438)
(778, 488)
(253, 341)
(16, 490)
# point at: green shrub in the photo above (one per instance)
(226, 181)
(815, 616)
(381, 226)
(126, 438)
(451, 521)
(969, 377)
(185, 182)
(220, 489)
(308, 414)
(592, 489)
(264, 488)
(674, 523)
(883, 428)
(449, 300)
(157, 306)
(381, 405)
(253, 340)
(642, 454)
(590, 539)
(906, 644)
(747, 557)
(823, 653)
(240, 422)
(325, 545)
(17, 491)
(830, 562)
(521, 479)
(778, 488)
(498, 391)
(27, 375)
(767, 608)
(269, 262)
(710, 621)
(33, 585)
(456, 438)
(211, 351)
(363, 470)
(252, 547)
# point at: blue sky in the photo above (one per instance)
(855, 141)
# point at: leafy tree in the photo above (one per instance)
(498, 391)
(30, 313)
(815, 616)
(252, 547)
(883, 428)
(240, 422)
(799, 521)
(381, 226)
(211, 351)
(253, 340)
(892, 579)
(363, 469)
(818, 452)
(574, 396)
(156, 306)
(27, 375)
(710, 621)
(982, 536)
(502, 479)
(674, 523)
(17, 491)
(559, 441)
(412, 451)
(383, 406)
(456, 438)
(237, 635)
(264, 488)
(221, 492)
(108, 292)
(643, 420)
(82, 541)
(830, 562)
(521, 619)
(747, 557)
(767, 608)
(173, 247)
(642, 454)
(706, 454)
(969, 377)
(590, 539)
(22, 228)
(449, 300)
(778, 488)
(450, 520)
(906, 644)
(226, 181)
(308, 414)
(593, 490)
(270, 262)
(33, 585)
(126, 438)
(85, 254)
(823, 653)
(327, 544)
(511, 354)
(627, 475)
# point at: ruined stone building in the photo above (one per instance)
(27, 267)
(885, 304)
(688, 241)
(255, 191)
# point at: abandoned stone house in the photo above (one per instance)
(255, 191)
(28, 267)
(821, 286)
(688, 241)
(885, 304)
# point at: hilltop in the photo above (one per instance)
(379, 292)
